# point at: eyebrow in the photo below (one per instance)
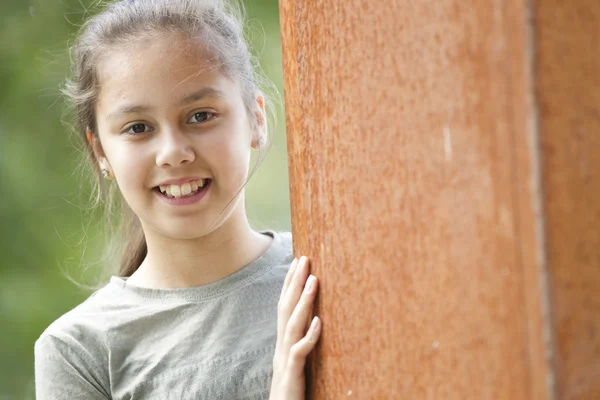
(127, 110)
(205, 92)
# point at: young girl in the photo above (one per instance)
(204, 308)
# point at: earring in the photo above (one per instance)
(105, 173)
(262, 140)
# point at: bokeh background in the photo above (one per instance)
(48, 236)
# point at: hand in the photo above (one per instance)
(293, 344)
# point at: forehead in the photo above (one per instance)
(163, 68)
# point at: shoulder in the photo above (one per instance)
(285, 241)
(72, 352)
(82, 327)
(282, 249)
(277, 260)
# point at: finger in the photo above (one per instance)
(296, 325)
(301, 350)
(292, 294)
(288, 277)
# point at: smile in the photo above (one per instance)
(188, 193)
(187, 189)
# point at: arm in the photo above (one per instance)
(293, 343)
(67, 371)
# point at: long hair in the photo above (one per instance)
(219, 26)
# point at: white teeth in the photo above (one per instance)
(186, 189)
(175, 191)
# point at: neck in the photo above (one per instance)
(172, 263)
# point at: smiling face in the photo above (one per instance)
(166, 115)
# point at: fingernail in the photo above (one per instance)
(310, 284)
(315, 325)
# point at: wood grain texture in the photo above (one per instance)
(417, 190)
(567, 39)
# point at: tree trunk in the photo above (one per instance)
(444, 166)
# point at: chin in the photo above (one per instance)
(187, 233)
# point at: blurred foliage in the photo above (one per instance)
(46, 233)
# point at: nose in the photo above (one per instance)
(174, 150)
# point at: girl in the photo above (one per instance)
(204, 307)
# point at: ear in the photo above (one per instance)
(260, 132)
(96, 146)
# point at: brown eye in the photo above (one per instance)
(201, 116)
(137, 129)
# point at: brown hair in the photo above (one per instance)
(219, 25)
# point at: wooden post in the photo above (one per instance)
(444, 165)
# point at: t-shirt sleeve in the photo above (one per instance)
(66, 370)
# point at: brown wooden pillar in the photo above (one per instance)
(445, 181)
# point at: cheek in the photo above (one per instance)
(231, 150)
(129, 164)
(229, 164)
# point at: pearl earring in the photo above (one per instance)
(262, 140)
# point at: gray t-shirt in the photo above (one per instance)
(210, 342)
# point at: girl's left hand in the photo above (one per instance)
(293, 344)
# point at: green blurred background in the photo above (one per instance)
(46, 232)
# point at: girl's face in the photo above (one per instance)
(167, 117)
